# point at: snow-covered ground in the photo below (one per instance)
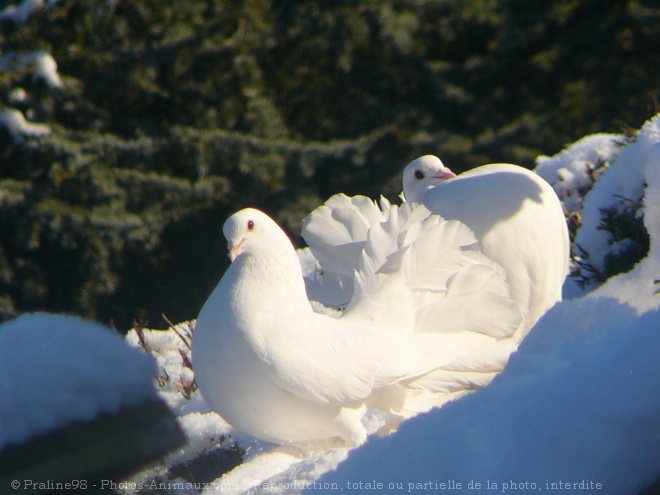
(577, 404)
(577, 407)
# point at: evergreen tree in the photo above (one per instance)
(172, 116)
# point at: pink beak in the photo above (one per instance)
(445, 174)
(234, 249)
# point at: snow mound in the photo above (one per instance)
(574, 170)
(628, 189)
(58, 370)
(571, 407)
(634, 178)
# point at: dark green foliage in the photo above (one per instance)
(173, 115)
(628, 239)
(629, 236)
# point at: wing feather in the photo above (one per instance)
(329, 361)
(426, 279)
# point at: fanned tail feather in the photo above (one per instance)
(416, 273)
(430, 268)
(423, 275)
(380, 294)
(336, 231)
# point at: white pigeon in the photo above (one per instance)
(276, 370)
(515, 215)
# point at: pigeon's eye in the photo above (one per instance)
(419, 174)
(250, 225)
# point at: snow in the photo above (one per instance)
(15, 123)
(205, 432)
(572, 171)
(17, 95)
(627, 182)
(623, 181)
(637, 173)
(42, 63)
(59, 369)
(43, 67)
(21, 12)
(571, 407)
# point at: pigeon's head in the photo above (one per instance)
(252, 231)
(422, 174)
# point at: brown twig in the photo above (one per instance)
(138, 326)
(173, 327)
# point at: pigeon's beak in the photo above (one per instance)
(235, 248)
(445, 174)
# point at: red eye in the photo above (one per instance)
(419, 174)
(250, 225)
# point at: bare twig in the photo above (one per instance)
(138, 326)
(173, 327)
(163, 379)
(633, 202)
(186, 359)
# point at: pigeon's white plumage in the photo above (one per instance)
(338, 234)
(514, 214)
(276, 370)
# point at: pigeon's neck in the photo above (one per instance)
(416, 195)
(273, 285)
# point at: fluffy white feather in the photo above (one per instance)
(338, 232)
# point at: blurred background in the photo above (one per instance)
(160, 119)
